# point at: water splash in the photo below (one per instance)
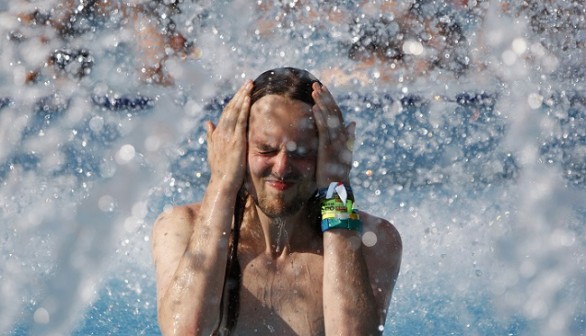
(471, 120)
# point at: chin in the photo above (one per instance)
(277, 208)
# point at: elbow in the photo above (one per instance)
(176, 328)
(180, 325)
(173, 325)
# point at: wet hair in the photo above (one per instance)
(292, 83)
(230, 303)
(289, 82)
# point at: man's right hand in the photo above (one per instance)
(227, 143)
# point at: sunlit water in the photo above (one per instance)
(473, 143)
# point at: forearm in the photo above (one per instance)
(349, 304)
(191, 304)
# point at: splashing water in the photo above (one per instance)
(471, 139)
(281, 228)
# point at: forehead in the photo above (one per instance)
(278, 114)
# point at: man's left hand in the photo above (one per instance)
(334, 159)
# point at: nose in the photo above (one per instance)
(282, 164)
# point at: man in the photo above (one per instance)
(275, 246)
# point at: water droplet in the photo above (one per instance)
(41, 316)
(519, 45)
(535, 100)
(509, 57)
(125, 154)
(106, 203)
(369, 239)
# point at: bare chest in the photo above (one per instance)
(281, 296)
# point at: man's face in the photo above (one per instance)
(282, 155)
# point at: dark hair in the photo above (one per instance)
(289, 82)
(230, 302)
(292, 83)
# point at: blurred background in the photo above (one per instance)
(471, 139)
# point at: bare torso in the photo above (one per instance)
(281, 293)
(279, 149)
(281, 296)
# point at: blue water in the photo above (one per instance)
(479, 160)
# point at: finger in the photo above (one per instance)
(239, 94)
(327, 134)
(333, 131)
(319, 113)
(346, 154)
(320, 122)
(242, 122)
(327, 102)
(351, 132)
(328, 106)
(210, 127)
(229, 116)
(245, 106)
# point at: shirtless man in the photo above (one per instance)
(251, 258)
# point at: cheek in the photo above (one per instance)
(257, 165)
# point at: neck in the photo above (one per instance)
(285, 235)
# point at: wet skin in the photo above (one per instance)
(282, 155)
(295, 281)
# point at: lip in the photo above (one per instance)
(280, 185)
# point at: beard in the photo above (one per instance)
(278, 207)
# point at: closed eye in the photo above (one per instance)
(266, 150)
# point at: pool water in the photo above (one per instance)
(471, 139)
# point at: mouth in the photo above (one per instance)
(280, 185)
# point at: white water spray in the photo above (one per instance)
(470, 138)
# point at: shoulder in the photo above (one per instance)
(176, 216)
(382, 244)
(175, 225)
(382, 250)
(379, 230)
(179, 212)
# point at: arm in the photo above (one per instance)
(190, 245)
(349, 303)
(370, 269)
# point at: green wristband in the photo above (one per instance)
(337, 223)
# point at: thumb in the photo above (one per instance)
(351, 131)
(210, 128)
